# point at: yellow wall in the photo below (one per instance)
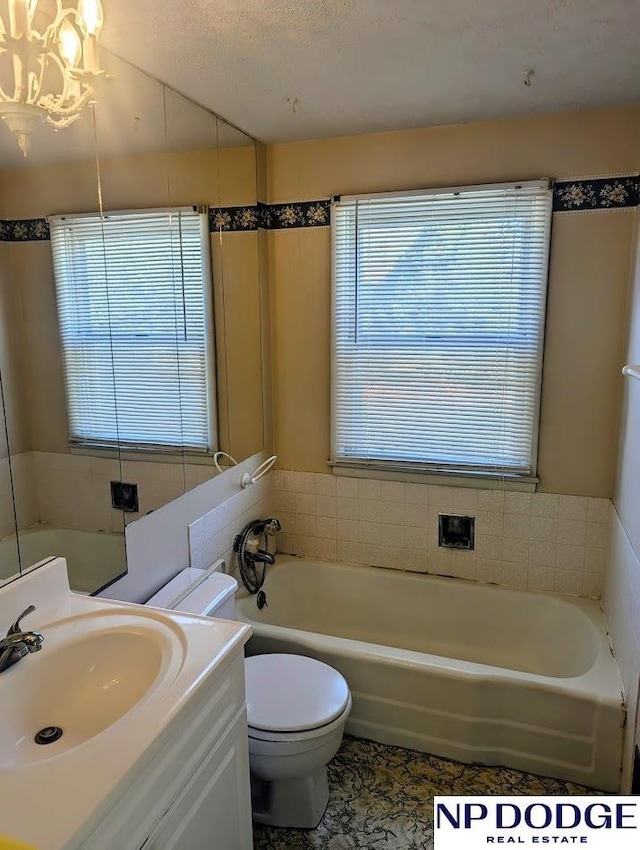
(587, 283)
(226, 177)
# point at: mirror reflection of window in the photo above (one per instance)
(134, 305)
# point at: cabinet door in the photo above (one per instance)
(213, 811)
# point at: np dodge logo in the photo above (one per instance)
(600, 823)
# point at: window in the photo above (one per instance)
(439, 302)
(134, 306)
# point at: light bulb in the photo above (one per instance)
(69, 43)
(90, 17)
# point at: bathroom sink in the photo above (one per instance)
(90, 673)
(121, 681)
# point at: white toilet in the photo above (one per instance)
(296, 711)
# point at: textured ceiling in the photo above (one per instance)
(317, 68)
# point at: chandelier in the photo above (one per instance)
(48, 62)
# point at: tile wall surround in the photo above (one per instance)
(73, 490)
(159, 544)
(211, 536)
(540, 541)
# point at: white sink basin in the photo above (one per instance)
(90, 672)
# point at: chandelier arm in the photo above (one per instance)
(36, 57)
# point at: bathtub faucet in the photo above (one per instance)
(17, 643)
(269, 526)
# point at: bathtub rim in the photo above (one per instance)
(601, 681)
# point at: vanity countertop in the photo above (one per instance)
(116, 677)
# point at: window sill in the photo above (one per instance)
(148, 456)
(444, 479)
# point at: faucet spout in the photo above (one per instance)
(263, 557)
(17, 643)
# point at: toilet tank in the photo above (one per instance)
(207, 593)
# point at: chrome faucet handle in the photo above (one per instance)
(14, 628)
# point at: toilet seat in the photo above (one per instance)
(292, 695)
(308, 735)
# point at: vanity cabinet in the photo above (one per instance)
(211, 811)
(193, 790)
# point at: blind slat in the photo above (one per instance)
(438, 303)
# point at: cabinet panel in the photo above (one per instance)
(214, 809)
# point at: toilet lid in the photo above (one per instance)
(292, 693)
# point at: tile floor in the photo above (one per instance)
(381, 798)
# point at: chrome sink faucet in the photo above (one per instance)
(17, 643)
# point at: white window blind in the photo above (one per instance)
(134, 306)
(439, 302)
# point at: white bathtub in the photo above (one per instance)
(94, 558)
(471, 672)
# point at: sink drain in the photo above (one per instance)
(48, 735)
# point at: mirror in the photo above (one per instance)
(141, 147)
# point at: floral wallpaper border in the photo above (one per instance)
(569, 196)
(601, 193)
(25, 230)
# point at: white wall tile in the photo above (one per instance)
(415, 494)
(541, 578)
(515, 551)
(346, 508)
(517, 503)
(305, 524)
(572, 532)
(488, 570)
(490, 546)
(326, 506)
(415, 560)
(415, 537)
(415, 515)
(570, 557)
(369, 554)
(569, 582)
(490, 522)
(304, 482)
(544, 528)
(465, 501)
(542, 554)
(391, 491)
(347, 529)
(491, 500)
(598, 510)
(347, 487)
(348, 551)
(514, 574)
(326, 550)
(305, 503)
(392, 557)
(392, 535)
(544, 504)
(368, 489)
(325, 485)
(326, 527)
(392, 512)
(517, 525)
(592, 585)
(369, 510)
(440, 497)
(369, 532)
(597, 535)
(572, 507)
